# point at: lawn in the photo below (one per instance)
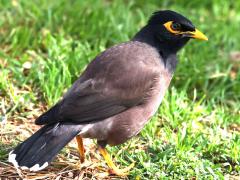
(45, 45)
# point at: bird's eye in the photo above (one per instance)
(176, 26)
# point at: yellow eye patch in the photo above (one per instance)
(168, 26)
(192, 34)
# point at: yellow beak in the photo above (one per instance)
(198, 35)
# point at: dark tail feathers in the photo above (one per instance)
(38, 150)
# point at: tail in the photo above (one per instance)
(39, 150)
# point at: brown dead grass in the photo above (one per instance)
(65, 166)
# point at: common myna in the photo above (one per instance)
(115, 96)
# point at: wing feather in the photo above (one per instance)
(110, 85)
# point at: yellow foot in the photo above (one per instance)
(121, 172)
(114, 169)
(80, 148)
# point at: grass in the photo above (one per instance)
(45, 45)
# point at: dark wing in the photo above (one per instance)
(116, 80)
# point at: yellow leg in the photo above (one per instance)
(114, 169)
(80, 148)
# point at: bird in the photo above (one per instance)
(117, 94)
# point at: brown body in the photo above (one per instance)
(150, 79)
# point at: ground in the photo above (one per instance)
(44, 47)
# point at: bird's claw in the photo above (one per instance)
(121, 172)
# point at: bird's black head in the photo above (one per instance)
(169, 30)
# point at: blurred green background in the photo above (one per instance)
(45, 45)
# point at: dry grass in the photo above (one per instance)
(65, 166)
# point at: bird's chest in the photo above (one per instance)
(157, 93)
(153, 101)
